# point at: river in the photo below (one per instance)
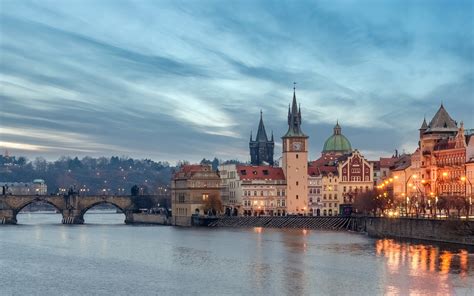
(39, 256)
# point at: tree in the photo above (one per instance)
(367, 202)
(459, 203)
(213, 203)
(135, 191)
(215, 163)
(22, 161)
(40, 164)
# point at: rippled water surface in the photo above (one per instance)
(106, 257)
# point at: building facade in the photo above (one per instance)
(261, 149)
(37, 187)
(439, 167)
(231, 189)
(264, 190)
(193, 189)
(338, 176)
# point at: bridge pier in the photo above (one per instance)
(7, 217)
(128, 217)
(72, 216)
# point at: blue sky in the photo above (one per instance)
(172, 80)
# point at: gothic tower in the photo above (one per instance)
(295, 162)
(261, 150)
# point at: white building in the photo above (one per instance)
(37, 187)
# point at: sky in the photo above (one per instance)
(186, 80)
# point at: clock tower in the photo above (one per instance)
(295, 162)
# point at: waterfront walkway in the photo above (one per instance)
(296, 222)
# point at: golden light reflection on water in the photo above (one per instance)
(422, 257)
(421, 262)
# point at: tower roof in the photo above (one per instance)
(261, 133)
(294, 120)
(442, 122)
(337, 142)
(424, 125)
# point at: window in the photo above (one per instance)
(296, 183)
(297, 196)
(296, 156)
(205, 196)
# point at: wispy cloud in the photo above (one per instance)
(186, 80)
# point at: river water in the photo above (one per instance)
(106, 257)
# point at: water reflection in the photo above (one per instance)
(421, 261)
(422, 257)
(194, 261)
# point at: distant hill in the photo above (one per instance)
(115, 175)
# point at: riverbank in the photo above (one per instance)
(443, 231)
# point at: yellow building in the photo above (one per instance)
(192, 188)
(295, 163)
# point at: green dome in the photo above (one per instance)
(337, 142)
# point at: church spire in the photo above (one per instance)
(261, 133)
(424, 125)
(337, 128)
(294, 118)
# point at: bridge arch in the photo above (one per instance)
(88, 207)
(23, 205)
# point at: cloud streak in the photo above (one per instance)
(186, 80)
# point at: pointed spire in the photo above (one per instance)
(294, 118)
(261, 133)
(337, 128)
(272, 137)
(251, 136)
(424, 125)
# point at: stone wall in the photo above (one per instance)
(140, 218)
(449, 231)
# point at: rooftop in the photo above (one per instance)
(263, 172)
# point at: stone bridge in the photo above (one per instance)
(71, 207)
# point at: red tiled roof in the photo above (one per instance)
(190, 169)
(322, 169)
(386, 162)
(261, 172)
